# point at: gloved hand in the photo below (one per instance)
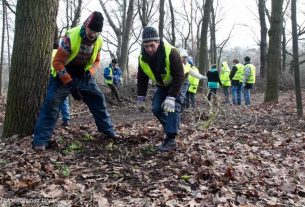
(74, 90)
(87, 75)
(169, 104)
(141, 103)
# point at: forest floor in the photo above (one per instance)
(228, 156)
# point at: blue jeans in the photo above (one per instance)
(190, 99)
(64, 110)
(171, 120)
(236, 94)
(247, 95)
(56, 94)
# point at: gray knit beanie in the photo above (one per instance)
(150, 34)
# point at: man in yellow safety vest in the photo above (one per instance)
(161, 62)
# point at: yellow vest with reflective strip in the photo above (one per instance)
(251, 78)
(194, 82)
(239, 72)
(75, 41)
(225, 74)
(167, 78)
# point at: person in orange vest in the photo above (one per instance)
(74, 65)
(65, 106)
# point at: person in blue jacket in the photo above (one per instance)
(113, 78)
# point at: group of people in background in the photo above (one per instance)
(176, 78)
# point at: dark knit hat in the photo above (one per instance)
(150, 34)
(247, 58)
(114, 60)
(95, 22)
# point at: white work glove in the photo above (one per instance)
(141, 103)
(169, 104)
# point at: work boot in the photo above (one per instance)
(167, 145)
(65, 123)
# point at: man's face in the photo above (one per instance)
(151, 47)
(184, 60)
(91, 35)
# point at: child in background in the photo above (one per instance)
(213, 81)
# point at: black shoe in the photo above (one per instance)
(167, 145)
(65, 123)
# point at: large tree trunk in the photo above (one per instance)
(34, 29)
(203, 54)
(263, 43)
(126, 37)
(274, 52)
(295, 63)
(161, 19)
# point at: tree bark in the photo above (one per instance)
(263, 43)
(274, 52)
(203, 54)
(295, 63)
(161, 19)
(34, 29)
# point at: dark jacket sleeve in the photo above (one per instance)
(142, 82)
(233, 71)
(177, 72)
(218, 79)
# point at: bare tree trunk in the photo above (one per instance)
(274, 52)
(161, 19)
(2, 44)
(263, 42)
(126, 37)
(29, 74)
(203, 54)
(8, 44)
(284, 42)
(295, 63)
(77, 14)
(67, 14)
(213, 51)
(173, 40)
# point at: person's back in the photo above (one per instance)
(213, 77)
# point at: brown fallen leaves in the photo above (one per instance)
(249, 157)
